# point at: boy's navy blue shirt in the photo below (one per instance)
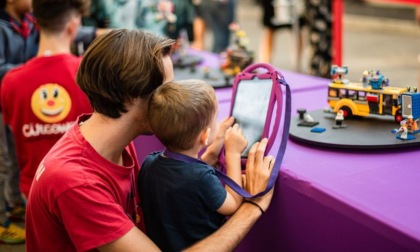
(15, 48)
(179, 201)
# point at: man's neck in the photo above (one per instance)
(52, 44)
(12, 13)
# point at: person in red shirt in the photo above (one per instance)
(41, 99)
(83, 195)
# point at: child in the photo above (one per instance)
(182, 199)
(43, 92)
(19, 37)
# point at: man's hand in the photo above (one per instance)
(258, 171)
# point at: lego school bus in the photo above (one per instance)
(360, 100)
(372, 96)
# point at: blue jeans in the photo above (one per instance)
(218, 15)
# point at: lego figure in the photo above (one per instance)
(403, 130)
(411, 124)
(339, 118)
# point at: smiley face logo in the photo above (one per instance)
(51, 103)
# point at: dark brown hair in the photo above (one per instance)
(52, 15)
(179, 111)
(120, 66)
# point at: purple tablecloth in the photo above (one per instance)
(332, 200)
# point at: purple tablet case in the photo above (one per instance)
(274, 105)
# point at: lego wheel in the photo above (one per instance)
(398, 117)
(346, 112)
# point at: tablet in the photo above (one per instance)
(250, 108)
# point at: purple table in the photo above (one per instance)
(333, 200)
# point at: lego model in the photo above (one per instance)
(337, 74)
(306, 119)
(374, 79)
(237, 56)
(180, 56)
(372, 97)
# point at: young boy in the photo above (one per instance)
(182, 199)
(41, 99)
(18, 40)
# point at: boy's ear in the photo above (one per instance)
(204, 137)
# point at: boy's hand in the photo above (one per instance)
(211, 154)
(235, 140)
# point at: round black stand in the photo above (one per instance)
(373, 132)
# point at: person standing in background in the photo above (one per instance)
(218, 16)
(41, 99)
(278, 15)
(18, 43)
(320, 37)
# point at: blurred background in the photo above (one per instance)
(376, 34)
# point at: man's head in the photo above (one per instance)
(180, 111)
(53, 15)
(121, 66)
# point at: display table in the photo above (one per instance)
(332, 200)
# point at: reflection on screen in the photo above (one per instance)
(250, 108)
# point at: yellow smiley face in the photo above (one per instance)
(51, 103)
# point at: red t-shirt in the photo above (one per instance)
(40, 101)
(79, 200)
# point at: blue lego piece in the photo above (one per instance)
(318, 130)
(409, 137)
(415, 105)
(410, 105)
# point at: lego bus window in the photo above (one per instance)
(250, 108)
(343, 93)
(352, 94)
(332, 92)
(362, 96)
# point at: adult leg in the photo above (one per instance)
(217, 18)
(9, 232)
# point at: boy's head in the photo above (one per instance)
(121, 66)
(180, 111)
(53, 15)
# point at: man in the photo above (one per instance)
(83, 194)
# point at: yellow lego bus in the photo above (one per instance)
(357, 99)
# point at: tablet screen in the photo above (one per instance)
(250, 108)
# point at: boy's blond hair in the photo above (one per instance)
(180, 110)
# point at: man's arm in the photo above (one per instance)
(234, 230)
(134, 240)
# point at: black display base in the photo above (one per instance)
(213, 76)
(373, 132)
(186, 60)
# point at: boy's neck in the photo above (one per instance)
(191, 153)
(52, 44)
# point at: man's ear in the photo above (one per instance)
(204, 137)
(72, 27)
